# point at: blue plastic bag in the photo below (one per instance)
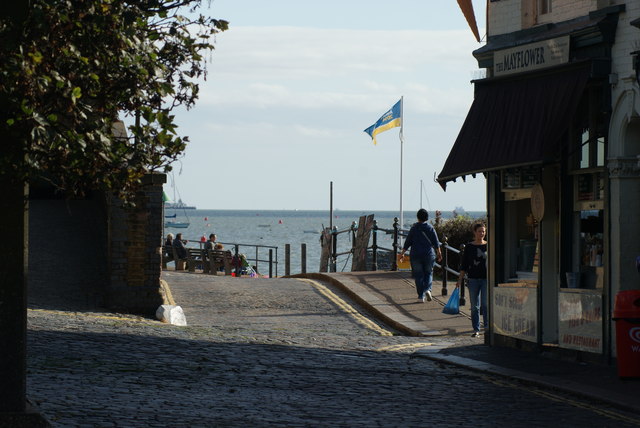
(453, 304)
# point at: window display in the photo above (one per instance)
(588, 270)
(591, 248)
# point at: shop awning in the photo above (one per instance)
(515, 122)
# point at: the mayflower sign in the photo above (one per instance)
(534, 56)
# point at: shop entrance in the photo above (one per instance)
(521, 236)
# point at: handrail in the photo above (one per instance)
(270, 260)
(397, 232)
(256, 259)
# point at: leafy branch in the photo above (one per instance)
(72, 69)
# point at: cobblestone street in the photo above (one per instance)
(267, 352)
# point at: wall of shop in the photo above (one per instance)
(507, 16)
(623, 157)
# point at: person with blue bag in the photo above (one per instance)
(425, 250)
(453, 304)
(474, 265)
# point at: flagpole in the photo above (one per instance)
(401, 156)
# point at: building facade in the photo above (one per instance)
(555, 129)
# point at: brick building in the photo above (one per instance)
(555, 129)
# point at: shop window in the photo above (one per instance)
(516, 179)
(592, 150)
(588, 271)
(589, 191)
(544, 7)
(583, 243)
(584, 153)
(600, 152)
(521, 257)
(588, 238)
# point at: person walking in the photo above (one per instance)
(425, 250)
(474, 265)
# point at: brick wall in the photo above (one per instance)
(564, 10)
(135, 245)
(506, 16)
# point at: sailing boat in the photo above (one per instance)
(177, 224)
(174, 223)
(422, 192)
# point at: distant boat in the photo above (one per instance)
(171, 216)
(311, 231)
(176, 224)
(459, 211)
(178, 205)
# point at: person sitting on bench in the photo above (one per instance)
(178, 244)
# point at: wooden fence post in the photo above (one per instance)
(394, 262)
(374, 247)
(287, 259)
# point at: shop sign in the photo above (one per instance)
(580, 324)
(533, 56)
(514, 312)
(537, 201)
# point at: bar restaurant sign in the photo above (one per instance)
(534, 56)
(580, 325)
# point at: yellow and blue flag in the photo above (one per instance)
(390, 119)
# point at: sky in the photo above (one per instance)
(292, 85)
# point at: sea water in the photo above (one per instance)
(271, 229)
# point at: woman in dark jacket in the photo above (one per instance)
(474, 265)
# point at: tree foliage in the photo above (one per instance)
(73, 68)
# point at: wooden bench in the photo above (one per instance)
(195, 257)
(219, 259)
(178, 261)
(167, 256)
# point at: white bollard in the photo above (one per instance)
(171, 314)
